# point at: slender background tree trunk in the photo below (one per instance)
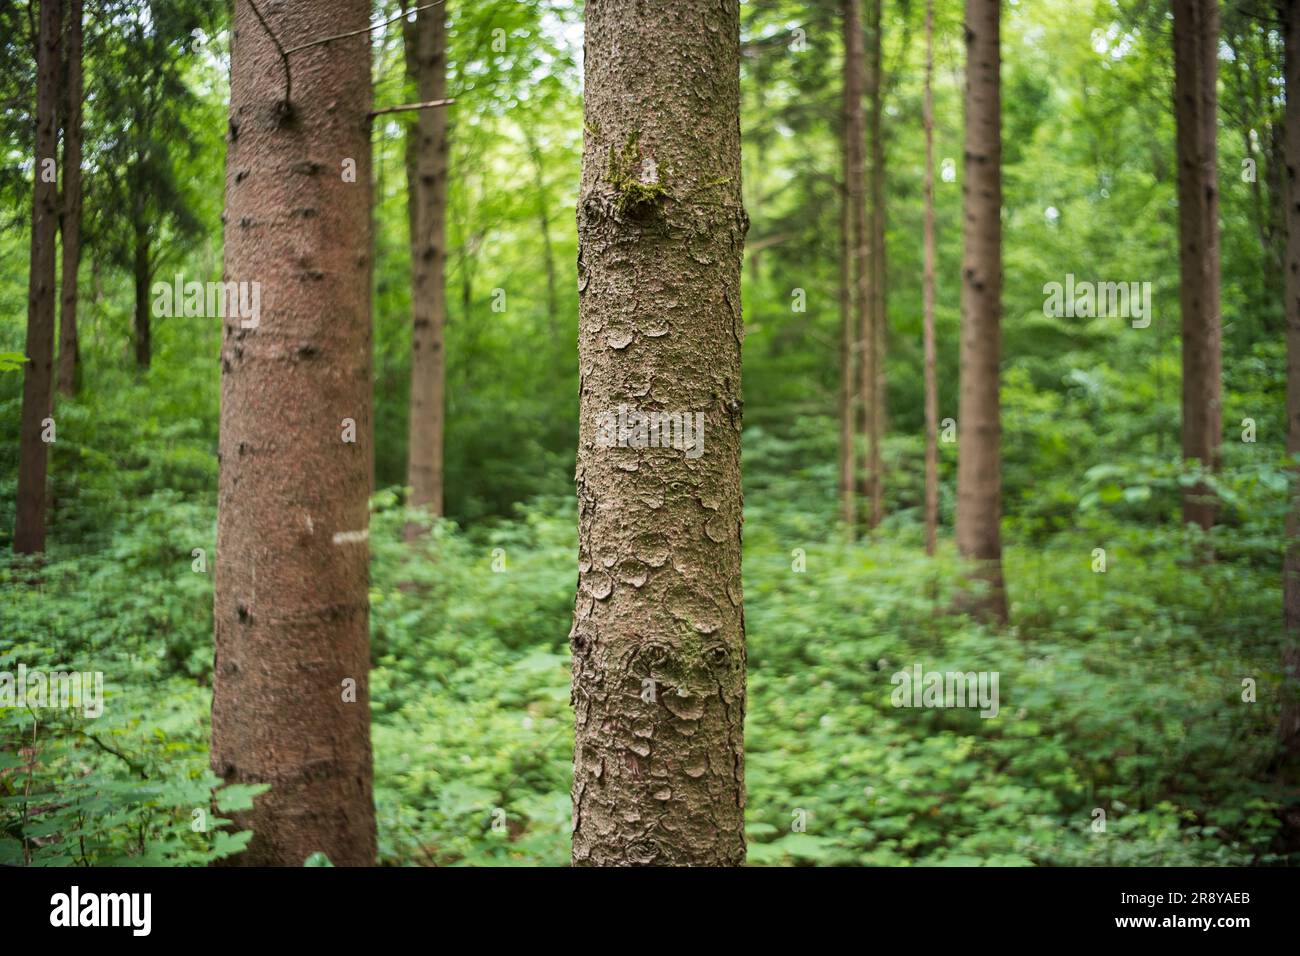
(849, 349)
(927, 297)
(142, 272)
(291, 703)
(658, 635)
(428, 266)
(33, 455)
(70, 221)
(879, 323)
(979, 463)
(544, 227)
(1196, 49)
(855, 78)
(1289, 729)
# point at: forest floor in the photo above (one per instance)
(1134, 723)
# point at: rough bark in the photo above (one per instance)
(928, 295)
(70, 220)
(33, 454)
(879, 321)
(658, 633)
(860, 235)
(291, 612)
(1196, 44)
(979, 464)
(428, 265)
(1289, 730)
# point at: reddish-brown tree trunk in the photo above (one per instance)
(33, 453)
(658, 635)
(860, 235)
(979, 463)
(879, 320)
(291, 703)
(70, 221)
(850, 237)
(428, 63)
(928, 296)
(1196, 48)
(1289, 727)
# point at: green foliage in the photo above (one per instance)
(1120, 691)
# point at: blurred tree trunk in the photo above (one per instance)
(428, 62)
(927, 296)
(290, 700)
(70, 221)
(1290, 722)
(658, 634)
(544, 226)
(979, 463)
(879, 321)
(855, 78)
(141, 273)
(33, 455)
(1196, 46)
(851, 148)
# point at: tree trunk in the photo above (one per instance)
(927, 296)
(33, 456)
(1290, 723)
(70, 221)
(428, 266)
(850, 346)
(290, 700)
(879, 323)
(658, 636)
(979, 464)
(848, 350)
(142, 272)
(544, 226)
(855, 79)
(1196, 44)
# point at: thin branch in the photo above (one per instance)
(135, 768)
(430, 104)
(279, 48)
(351, 33)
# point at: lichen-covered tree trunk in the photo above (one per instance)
(658, 631)
(1196, 50)
(70, 220)
(291, 691)
(860, 235)
(33, 453)
(879, 319)
(428, 265)
(1289, 729)
(979, 463)
(927, 296)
